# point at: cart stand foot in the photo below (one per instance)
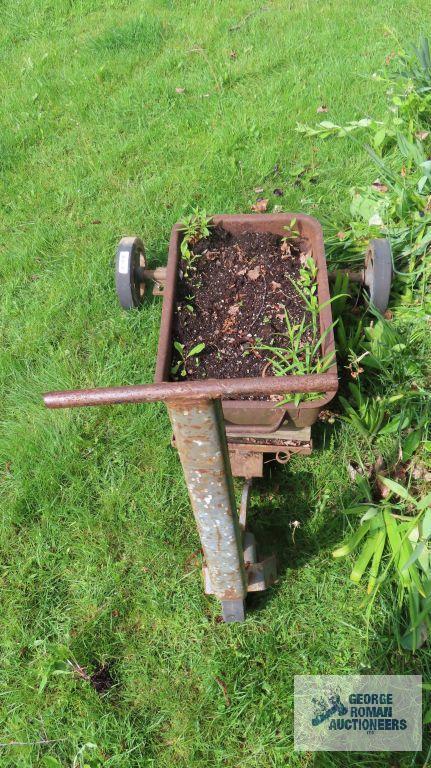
(232, 610)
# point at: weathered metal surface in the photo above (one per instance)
(245, 498)
(261, 414)
(283, 433)
(157, 277)
(201, 442)
(250, 554)
(261, 575)
(233, 610)
(186, 390)
(245, 463)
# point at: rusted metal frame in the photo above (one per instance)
(179, 391)
(303, 450)
(245, 498)
(201, 441)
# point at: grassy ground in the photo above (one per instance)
(96, 533)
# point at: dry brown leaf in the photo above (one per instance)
(285, 247)
(304, 256)
(179, 90)
(254, 273)
(274, 286)
(258, 190)
(422, 135)
(260, 206)
(242, 271)
(341, 235)
(233, 310)
(377, 184)
(322, 108)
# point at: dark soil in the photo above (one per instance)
(235, 293)
(102, 679)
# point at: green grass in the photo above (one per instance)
(96, 530)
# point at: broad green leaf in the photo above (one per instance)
(394, 538)
(425, 502)
(197, 349)
(417, 551)
(371, 512)
(361, 509)
(353, 541)
(411, 443)
(426, 523)
(179, 347)
(364, 558)
(400, 490)
(375, 565)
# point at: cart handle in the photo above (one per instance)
(183, 391)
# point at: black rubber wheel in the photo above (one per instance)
(130, 260)
(378, 273)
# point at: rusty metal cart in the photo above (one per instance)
(219, 430)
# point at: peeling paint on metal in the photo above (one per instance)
(201, 441)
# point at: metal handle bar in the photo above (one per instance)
(183, 391)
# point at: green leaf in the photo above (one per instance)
(393, 536)
(425, 502)
(179, 347)
(426, 523)
(369, 514)
(375, 565)
(411, 443)
(427, 716)
(364, 558)
(359, 509)
(414, 556)
(197, 349)
(353, 541)
(397, 488)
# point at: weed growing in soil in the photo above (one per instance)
(180, 366)
(195, 227)
(301, 350)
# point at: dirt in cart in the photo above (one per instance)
(232, 295)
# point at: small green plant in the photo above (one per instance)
(292, 230)
(301, 348)
(180, 366)
(396, 543)
(369, 414)
(194, 228)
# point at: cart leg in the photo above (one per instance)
(201, 440)
(233, 610)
